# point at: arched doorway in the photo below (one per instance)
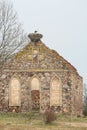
(35, 93)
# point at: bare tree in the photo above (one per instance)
(12, 36)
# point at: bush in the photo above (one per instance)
(49, 115)
(85, 111)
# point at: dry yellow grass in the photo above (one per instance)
(33, 121)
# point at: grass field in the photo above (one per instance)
(34, 121)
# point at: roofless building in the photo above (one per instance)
(37, 77)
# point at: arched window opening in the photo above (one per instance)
(35, 84)
(55, 92)
(14, 92)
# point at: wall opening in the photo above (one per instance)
(14, 92)
(35, 93)
(56, 92)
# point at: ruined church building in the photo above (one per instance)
(37, 77)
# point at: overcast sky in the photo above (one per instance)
(63, 24)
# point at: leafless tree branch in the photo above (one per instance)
(12, 36)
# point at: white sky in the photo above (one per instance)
(63, 24)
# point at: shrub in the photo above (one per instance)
(85, 111)
(49, 115)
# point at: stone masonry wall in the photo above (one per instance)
(45, 79)
(40, 61)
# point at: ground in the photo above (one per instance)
(34, 121)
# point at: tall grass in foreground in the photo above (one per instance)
(34, 121)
